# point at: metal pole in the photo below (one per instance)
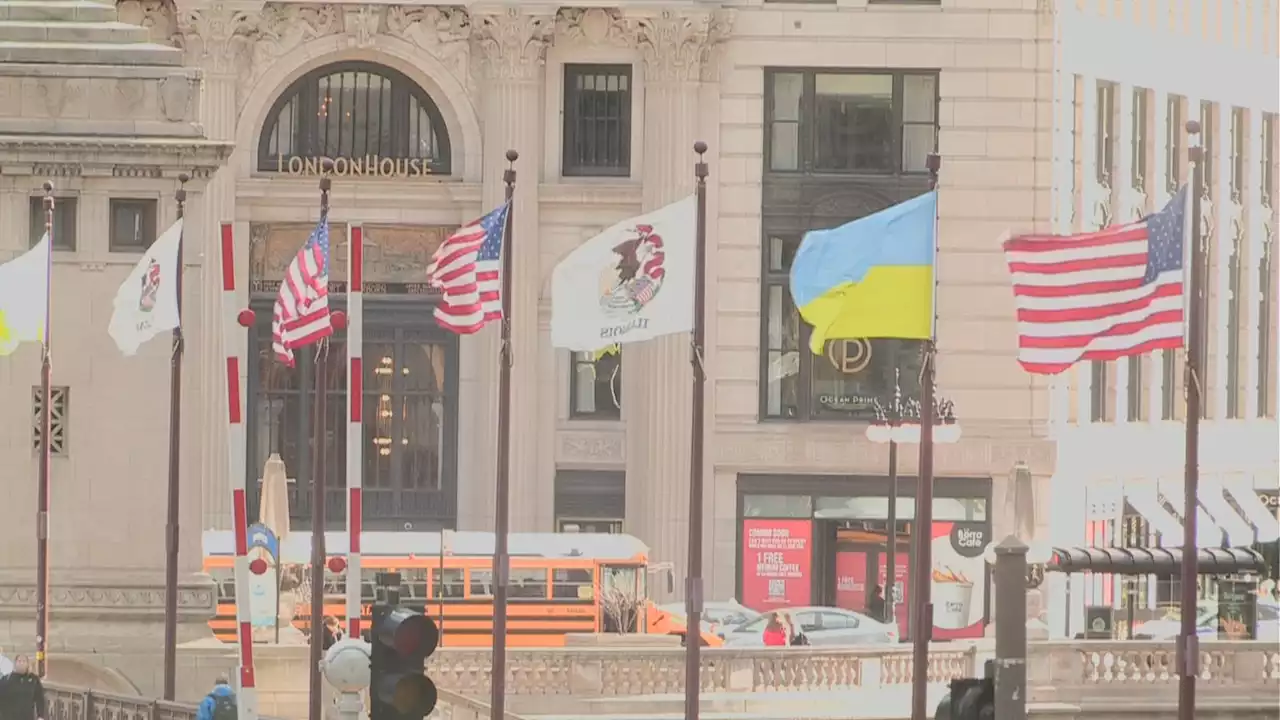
(1011, 629)
(891, 552)
(922, 606)
(46, 429)
(502, 490)
(318, 552)
(175, 449)
(693, 588)
(1188, 645)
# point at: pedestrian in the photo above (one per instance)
(332, 632)
(795, 636)
(219, 704)
(775, 634)
(6, 665)
(22, 693)
(876, 605)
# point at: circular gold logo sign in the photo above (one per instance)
(849, 356)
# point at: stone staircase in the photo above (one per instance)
(94, 75)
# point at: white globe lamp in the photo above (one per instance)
(346, 665)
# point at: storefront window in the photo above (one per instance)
(877, 508)
(778, 506)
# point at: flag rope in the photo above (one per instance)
(236, 321)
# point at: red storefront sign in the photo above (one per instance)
(776, 557)
(851, 580)
(959, 580)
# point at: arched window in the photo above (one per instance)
(379, 122)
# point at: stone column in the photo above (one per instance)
(658, 375)
(218, 39)
(512, 49)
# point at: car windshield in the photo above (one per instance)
(1268, 613)
(756, 625)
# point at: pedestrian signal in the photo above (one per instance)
(402, 641)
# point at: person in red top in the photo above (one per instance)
(775, 634)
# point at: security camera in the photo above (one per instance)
(346, 665)
(408, 526)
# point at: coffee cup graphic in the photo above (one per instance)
(952, 595)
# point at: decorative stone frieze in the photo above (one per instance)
(89, 600)
(681, 47)
(594, 26)
(218, 37)
(512, 44)
(584, 447)
(443, 32)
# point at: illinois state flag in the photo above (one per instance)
(631, 283)
(147, 303)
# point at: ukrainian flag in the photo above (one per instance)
(871, 278)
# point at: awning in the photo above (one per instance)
(1143, 497)
(1228, 513)
(1155, 561)
(1208, 534)
(1263, 520)
(1212, 498)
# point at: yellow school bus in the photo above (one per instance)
(559, 583)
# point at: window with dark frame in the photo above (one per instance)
(1105, 149)
(1099, 392)
(1239, 141)
(1266, 264)
(833, 121)
(595, 385)
(1137, 410)
(1169, 385)
(376, 119)
(133, 224)
(1208, 140)
(64, 222)
(1235, 304)
(1141, 138)
(597, 120)
(841, 384)
(1174, 144)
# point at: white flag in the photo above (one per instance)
(147, 303)
(631, 283)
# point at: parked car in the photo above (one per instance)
(823, 626)
(1267, 628)
(1268, 620)
(719, 614)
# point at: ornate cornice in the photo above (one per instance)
(218, 37)
(512, 44)
(593, 26)
(119, 157)
(87, 601)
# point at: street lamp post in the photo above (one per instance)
(898, 422)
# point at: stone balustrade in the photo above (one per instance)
(71, 703)
(1111, 671)
(629, 671)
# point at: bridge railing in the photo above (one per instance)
(71, 703)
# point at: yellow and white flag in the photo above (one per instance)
(24, 297)
(147, 302)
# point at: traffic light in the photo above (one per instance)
(969, 699)
(402, 641)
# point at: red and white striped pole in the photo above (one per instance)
(355, 426)
(235, 322)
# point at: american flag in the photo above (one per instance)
(1099, 296)
(467, 267)
(301, 313)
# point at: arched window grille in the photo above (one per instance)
(366, 113)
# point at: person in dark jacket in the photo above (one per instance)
(22, 693)
(876, 604)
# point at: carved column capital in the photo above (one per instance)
(512, 44)
(218, 36)
(681, 47)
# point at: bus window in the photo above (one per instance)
(448, 583)
(572, 584)
(528, 584)
(415, 583)
(481, 583)
(621, 598)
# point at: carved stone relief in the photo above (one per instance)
(443, 32)
(512, 44)
(593, 26)
(155, 15)
(682, 46)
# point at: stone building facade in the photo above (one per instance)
(815, 114)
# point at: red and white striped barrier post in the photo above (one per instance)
(355, 427)
(237, 320)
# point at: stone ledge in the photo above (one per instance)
(73, 70)
(115, 601)
(120, 157)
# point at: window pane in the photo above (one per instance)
(481, 583)
(572, 584)
(776, 506)
(421, 440)
(422, 367)
(528, 584)
(447, 583)
(377, 438)
(597, 390)
(597, 120)
(852, 374)
(787, 90)
(784, 146)
(919, 98)
(781, 252)
(854, 122)
(783, 361)
(917, 142)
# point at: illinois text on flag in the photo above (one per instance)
(301, 313)
(467, 267)
(632, 282)
(1099, 296)
(147, 302)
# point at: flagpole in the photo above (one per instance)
(1188, 645)
(693, 588)
(46, 429)
(318, 554)
(175, 448)
(502, 489)
(355, 420)
(921, 624)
